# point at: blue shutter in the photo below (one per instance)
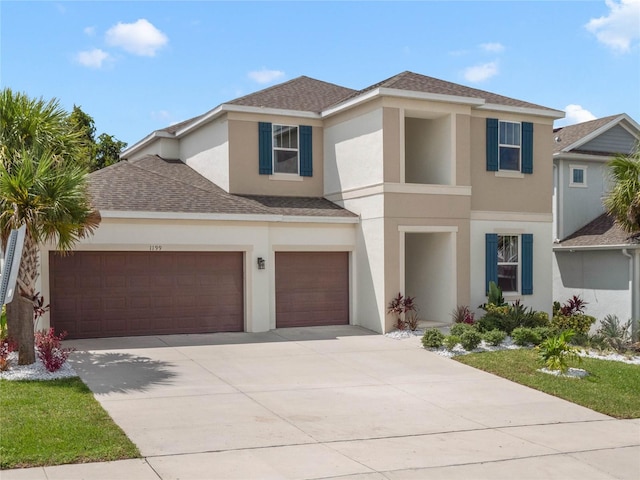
(527, 264)
(306, 147)
(265, 139)
(492, 144)
(491, 259)
(527, 147)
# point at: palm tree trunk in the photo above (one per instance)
(20, 310)
(20, 328)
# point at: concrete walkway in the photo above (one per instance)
(332, 402)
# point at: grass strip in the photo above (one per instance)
(612, 388)
(56, 422)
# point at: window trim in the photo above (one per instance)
(284, 149)
(519, 147)
(573, 168)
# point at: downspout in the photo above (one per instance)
(634, 277)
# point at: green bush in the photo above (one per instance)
(494, 337)
(579, 323)
(451, 341)
(524, 336)
(432, 338)
(470, 339)
(544, 332)
(459, 328)
(508, 317)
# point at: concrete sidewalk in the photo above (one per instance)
(332, 402)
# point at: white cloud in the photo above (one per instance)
(265, 76)
(479, 73)
(577, 114)
(139, 38)
(620, 28)
(93, 58)
(493, 47)
(89, 31)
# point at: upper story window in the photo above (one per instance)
(509, 146)
(285, 149)
(577, 176)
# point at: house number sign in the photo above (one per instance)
(155, 248)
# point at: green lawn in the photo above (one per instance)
(612, 388)
(56, 422)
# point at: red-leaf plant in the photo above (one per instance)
(50, 351)
(573, 306)
(401, 305)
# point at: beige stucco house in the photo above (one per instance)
(308, 203)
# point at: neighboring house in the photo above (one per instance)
(593, 257)
(308, 203)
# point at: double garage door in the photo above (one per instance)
(110, 294)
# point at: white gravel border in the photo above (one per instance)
(35, 371)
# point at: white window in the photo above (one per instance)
(577, 176)
(509, 146)
(508, 263)
(285, 149)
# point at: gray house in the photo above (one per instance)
(593, 257)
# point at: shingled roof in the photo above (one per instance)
(153, 184)
(566, 136)
(421, 83)
(603, 231)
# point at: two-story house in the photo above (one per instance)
(308, 203)
(593, 257)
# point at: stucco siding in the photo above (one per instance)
(601, 278)
(354, 153)
(492, 191)
(541, 299)
(206, 150)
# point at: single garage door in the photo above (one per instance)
(111, 294)
(312, 288)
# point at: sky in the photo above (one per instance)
(138, 66)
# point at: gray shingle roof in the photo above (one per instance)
(600, 232)
(572, 133)
(153, 184)
(421, 83)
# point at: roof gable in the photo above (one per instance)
(602, 136)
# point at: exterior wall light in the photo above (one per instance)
(260, 263)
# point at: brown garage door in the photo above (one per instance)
(111, 294)
(312, 288)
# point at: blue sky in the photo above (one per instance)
(139, 66)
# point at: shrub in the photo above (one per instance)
(494, 337)
(451, 341)
(556, 351)
(401, 305)
(459, 328)
(412, 321)
(432, 338)
(524, 336)
(462, 314)
(470, 339)
(495, 295)
(49, 349)
(574, 306)
(579, 323)
(544, 332)
(615, 335)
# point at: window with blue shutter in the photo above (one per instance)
(491, 260)
(492, 144)
(527, 147)
(306, 148)
(527, 264)
(265, 138)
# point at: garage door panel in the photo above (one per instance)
(312, 288)
(95, 294)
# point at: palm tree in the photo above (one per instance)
(43, 187)
(623, 201)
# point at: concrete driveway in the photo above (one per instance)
(332, 402)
